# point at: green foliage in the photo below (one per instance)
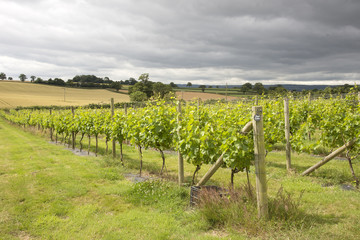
(207, 131)
(32, 78)
(116, 85)
(22, 77)
(149, 89)
(138, 96)
(202, 87)
(161, 90)
(3, 76)
(246, 87)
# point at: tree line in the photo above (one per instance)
(260, 89)
(143, 89)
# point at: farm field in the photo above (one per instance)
(13, 94)
(189, 95)
(221, 91)
(48, 192)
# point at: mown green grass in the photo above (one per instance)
(47, 192)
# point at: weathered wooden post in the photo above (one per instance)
(309, 133)
(226, 95)
(260, 171)
(73, 133)
(287, 134)
(51, 129)
(180, 158)
(112, 118)
(125, 109)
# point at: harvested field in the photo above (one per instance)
(13, 94)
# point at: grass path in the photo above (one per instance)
(46, 192)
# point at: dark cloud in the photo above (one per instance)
(275, 41)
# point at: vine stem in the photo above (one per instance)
(163, 159)
(195, 172)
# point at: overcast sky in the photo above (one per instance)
(201, 41)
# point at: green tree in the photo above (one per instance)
(131, 81)
(145, 87)
(32, 78)
(39, 80)
(173, 85)
(278, 89)
(144, 77)
(10, 78)
(116, 85)
(328, 90)
(246, 87)
(22, 77)
(202, 88)
(108, 80)
(189, 84)
(2, 76)
(138, 96)
(259, 88)
(161, 90)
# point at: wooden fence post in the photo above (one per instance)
(51, 129)
(112, 118)
(180, 158)
(260, 171)
(287, 134)
(73, 133)
(226, 93)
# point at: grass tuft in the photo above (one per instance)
(238, 210)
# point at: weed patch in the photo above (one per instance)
(237, 210)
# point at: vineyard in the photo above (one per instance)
(49, 192)
(201, 133)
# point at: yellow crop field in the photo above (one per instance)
(14, 93)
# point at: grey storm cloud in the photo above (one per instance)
(211, 42)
